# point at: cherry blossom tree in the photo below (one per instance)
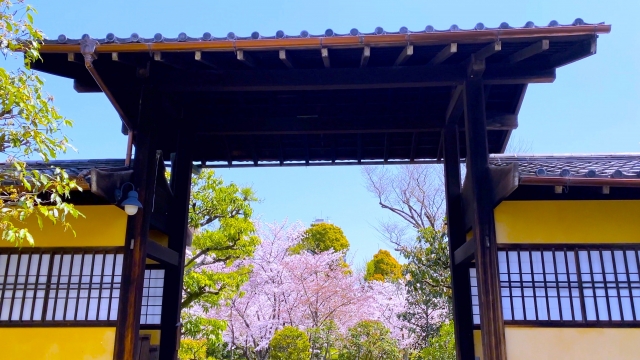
(305, 290)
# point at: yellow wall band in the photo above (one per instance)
(103, 225)
(155, 336)
(568, 222)
(83, 343)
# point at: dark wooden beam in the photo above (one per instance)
(386, 147)
(341, 78)
(486, 255)
(169, 59)
(577, 52)
(504, 181)
(227, 151)
(523, 91)
(444, 54)
(201, 57)
(144, 172)
(162, 254)
(172, 292)
(280, 151)
(245, 58)
(349, 125)
(284, 57)
(452, 116)
(440, 147)
(324, 52)
(254, 153)
(465, 253)
(460, 282)
(529, 51)
(306, 149)
(404, 55)
(414, 145)
(487, 51)
(366, 54)
(455, 107)
(159, 222)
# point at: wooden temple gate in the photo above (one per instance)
(354, 99)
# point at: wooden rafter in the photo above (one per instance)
(404, 55)
(444, 54)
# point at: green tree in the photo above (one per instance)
(415, 195)
(322, 237)
(220, 214)
(441, 346)
(289, 343)
(383, 267)
(30, 126)
(428, 283)
(369, 340)
(324, 340)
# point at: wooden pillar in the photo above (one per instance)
(460, 282)
(144, 172)
(486, 255)
(178, 216)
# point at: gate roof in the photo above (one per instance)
(321, 99)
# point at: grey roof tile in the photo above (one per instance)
(231, 36)
(601, 165)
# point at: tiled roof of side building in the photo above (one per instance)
(584, 166)
(231, 36)
(73, 168)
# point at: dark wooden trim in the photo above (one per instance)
(150, 327)
(488, 50)
(145, 162)
(504, 181)
(534, 49)
(159, 222)
(444, 54)
(49, 250)
(493, 340)
(162, 254)
(572, 324)
(460, 282)
(172, 293)
(340, 78)
(603, 246)
(465, 253)
(577, 52)
(58, 324)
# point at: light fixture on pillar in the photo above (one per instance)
(131, 204)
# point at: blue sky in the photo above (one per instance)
(591, 108)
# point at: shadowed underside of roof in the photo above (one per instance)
(329, 99)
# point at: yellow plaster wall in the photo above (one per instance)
(477, 343)
(103, 225)
(155, 336)
(57, 343)
(572, 343)
(539, 343)
(586, 221)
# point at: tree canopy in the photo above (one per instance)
(383, 267)
(290, 343)
(369, 340)
(220, 215)
(30, 126)
(322, 237)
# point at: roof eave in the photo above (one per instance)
(468, 36)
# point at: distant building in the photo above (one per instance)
(320, 221)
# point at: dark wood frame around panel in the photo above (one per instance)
(48, 288)
(583, 323)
